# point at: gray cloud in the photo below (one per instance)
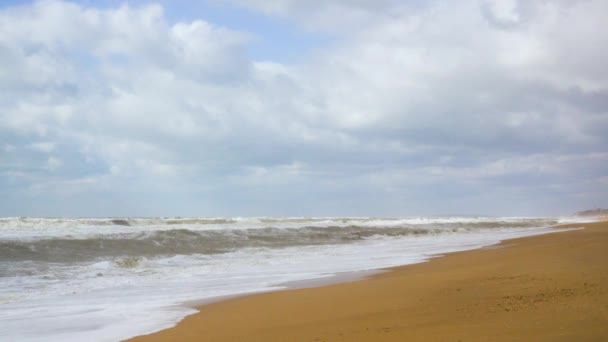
(434, 108)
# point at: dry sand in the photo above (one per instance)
(545, 288)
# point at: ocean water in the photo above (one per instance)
(107, 279)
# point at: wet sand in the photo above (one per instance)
(546, 288)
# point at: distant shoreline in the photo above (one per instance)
(597, 213)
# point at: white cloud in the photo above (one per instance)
(335, 16)
(429, 93)
(45, 147)
(53, 163)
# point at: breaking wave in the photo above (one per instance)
(182, 241)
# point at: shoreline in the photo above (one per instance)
(234, 306)
(331, 279)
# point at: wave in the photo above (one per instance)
(183, 241)
(59, 224)
(42, 222)
(128, 262)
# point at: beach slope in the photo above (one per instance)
(546, 288)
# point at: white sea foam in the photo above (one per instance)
(109, 299)
(22, 228)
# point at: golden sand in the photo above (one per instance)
(546, 288)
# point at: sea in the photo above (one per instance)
(108, 279)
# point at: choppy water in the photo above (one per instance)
(111, 278)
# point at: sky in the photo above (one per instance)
(303, 108)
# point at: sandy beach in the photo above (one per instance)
(551, 287)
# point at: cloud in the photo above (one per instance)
(334, 16)
(412, 107)
(45, 147)
(53, 163)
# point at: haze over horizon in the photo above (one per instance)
(303, 108)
